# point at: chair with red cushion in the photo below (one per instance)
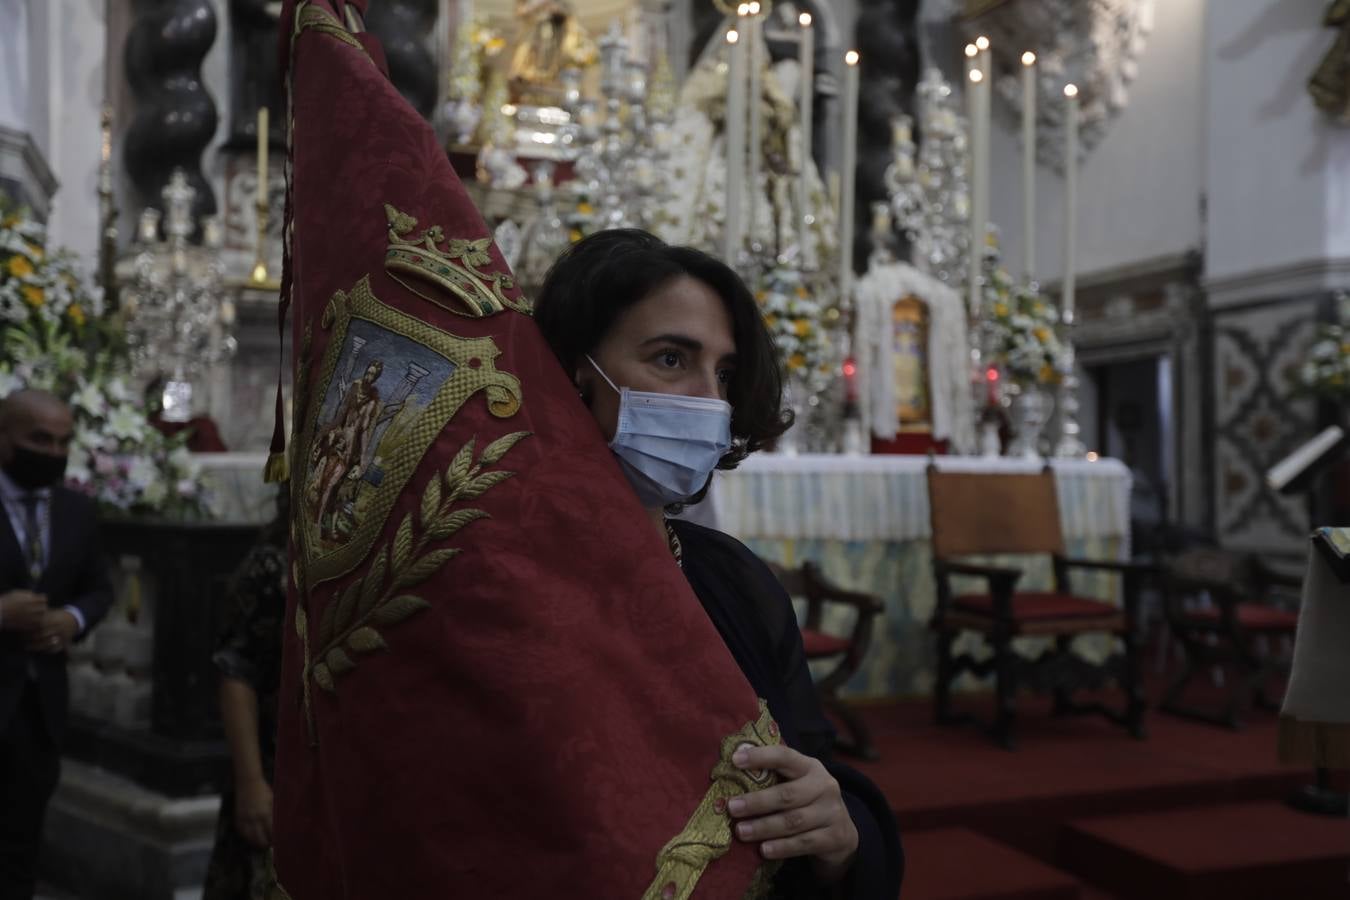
(978, 514)
(1236, 631)
(807, 583)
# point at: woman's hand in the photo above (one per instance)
(253, 812)
(803, 815)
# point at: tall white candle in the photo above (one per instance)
(807, 105)
(849, 179)
(756, 41)
(1029, 167)
(732, 227)
(973, 78)
(261, 194)
(1070, 199)
(984, 91)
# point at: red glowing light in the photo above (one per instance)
(991, 375)
(850, 368)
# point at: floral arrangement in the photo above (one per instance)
(53, 337)
(796, 320)
(1326, 370)
(1022, 332)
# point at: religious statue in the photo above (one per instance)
(1330, 83)
(550, 40)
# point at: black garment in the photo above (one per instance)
(250, 651)
(754, 615)
(33, 709)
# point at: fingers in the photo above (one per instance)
(785, 824)
(781, 758)
(792, 793)
(820, 842)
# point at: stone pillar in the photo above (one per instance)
(25, 176)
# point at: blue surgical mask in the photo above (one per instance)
(668, 444)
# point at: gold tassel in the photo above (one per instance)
(277, 470)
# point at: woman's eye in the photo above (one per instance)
(670, 358)
(724, 376)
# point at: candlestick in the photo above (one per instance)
(735, 132)
(807, 106)
(262, 156)
(849, 180)
(1070, 199)
(984, 93)
(973, 78)
(756, 41)
(1029, 167)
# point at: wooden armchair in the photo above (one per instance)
(1234, 632)
(983, 514)
(808, 583)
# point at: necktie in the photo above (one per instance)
(32, 545)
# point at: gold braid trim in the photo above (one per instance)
(321, 20)
(707, 835)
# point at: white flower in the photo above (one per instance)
(9, 383)
(126, 423)
(155, 493)
(142, 472)
(89, 398)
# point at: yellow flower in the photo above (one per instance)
(1047, 374)
(33, 295)
(585, 208)
(1042, 334)
(770, 320)
(801, 292)
(20, 267)
(34, 250)
(761, 296)
(76, 315)
(1000, 309)
(801, 327)
(796, 361)
(574, 235)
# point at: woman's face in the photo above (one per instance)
(676, 340)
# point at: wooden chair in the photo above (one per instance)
(807, 583)
(983, 514)
(1233, 633)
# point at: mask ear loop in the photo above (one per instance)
(603, 375)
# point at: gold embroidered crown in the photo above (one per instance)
(456, 265)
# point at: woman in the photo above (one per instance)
(249, 660)
(669, 353)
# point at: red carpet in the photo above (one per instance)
(1081, 796)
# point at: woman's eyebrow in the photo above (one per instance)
(679, 340)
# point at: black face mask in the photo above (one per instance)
(33, 471)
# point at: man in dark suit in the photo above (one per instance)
(53, 589)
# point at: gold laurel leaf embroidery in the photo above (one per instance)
(443, 528)
(397, 609)
(479, 485)
(403, 539)
(425, 567)
(338, 661)
(367, 601)
(459, 466)
(494, 451)
(431, 501)
(366, 640)
(322, 677)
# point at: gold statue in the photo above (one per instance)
(550, 40)
(1330, 83)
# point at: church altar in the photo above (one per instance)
(865, 521)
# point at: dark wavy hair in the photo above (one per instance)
(600, 276)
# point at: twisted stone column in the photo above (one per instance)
(175, 116)
(404, 28)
